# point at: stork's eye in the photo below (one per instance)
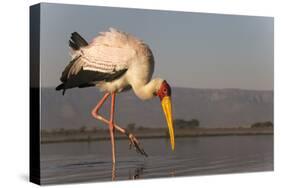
(165, 90)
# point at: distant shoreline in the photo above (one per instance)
(87, 136)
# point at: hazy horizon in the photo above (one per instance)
(191, 50)
(213, 108)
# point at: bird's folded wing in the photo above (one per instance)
(76, 75)
(107, 59)
(74, 66)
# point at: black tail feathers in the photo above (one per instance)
(76, 41)
(61, 87)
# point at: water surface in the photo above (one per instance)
(91, 161)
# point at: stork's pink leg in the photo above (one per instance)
(111, 126)
(110, 123)
(96, 109)
(131, 137)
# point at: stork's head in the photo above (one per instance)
(164, 93)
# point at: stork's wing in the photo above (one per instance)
(76, 75)
(107, 58)
(108, 53)
(101, 59)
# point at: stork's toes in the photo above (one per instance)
(136, 144)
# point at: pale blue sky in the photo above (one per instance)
(190, 49)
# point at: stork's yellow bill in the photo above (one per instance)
(167, 108)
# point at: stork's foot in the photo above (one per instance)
(134, 142)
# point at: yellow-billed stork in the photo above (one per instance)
(116, 61)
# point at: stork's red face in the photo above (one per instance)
(165, 90)
(164, 93)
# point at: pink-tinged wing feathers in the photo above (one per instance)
(109, 52)
(107, 58)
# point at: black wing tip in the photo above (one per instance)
(77, 41)
(73, 45)
(61, 87)
(75, 33)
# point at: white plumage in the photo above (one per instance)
(113, 51)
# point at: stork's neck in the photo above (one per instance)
(146, 90)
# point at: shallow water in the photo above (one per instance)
(91, 161)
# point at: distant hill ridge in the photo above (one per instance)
(212, 107)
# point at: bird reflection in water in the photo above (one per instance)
(137, 172)
(173, 173)
(113, 172)
(133, 173)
